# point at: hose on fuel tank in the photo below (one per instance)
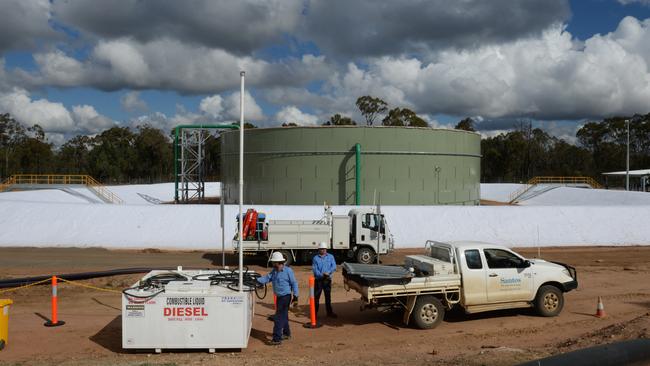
(230, 279)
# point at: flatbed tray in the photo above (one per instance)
(375, 274)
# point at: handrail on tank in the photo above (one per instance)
(357, 174)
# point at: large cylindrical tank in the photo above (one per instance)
(312, 165)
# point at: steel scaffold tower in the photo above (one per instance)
(189, 157)
(192, 178)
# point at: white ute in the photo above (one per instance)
(476, 276)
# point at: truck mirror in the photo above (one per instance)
(526, 263)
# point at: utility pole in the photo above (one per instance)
(627, 157)
(241, 183)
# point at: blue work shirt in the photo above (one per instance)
(283, 281)
(323, 264)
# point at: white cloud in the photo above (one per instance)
(213, 109)
(55, 138)
(626, 2)
(212, 105)
(231, 110)
(548, 77)
(24, 24)
(131, 102)
(375, 28)
(88, 120)
(168, 64)
(52, 116)
(237, 26)
(292, 114)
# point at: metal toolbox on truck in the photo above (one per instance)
(429, 266)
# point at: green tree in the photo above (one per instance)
(33, 154)
(153, 152)
(338, 120)
(112, 157)
(466, 124)
(73, 156)
(371, 107)
(11, 135)
(403, 117)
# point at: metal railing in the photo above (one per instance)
(553, 180)
(7, 183)
(62, 179)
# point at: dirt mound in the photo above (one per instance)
(631, 329)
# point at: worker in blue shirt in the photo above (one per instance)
(284, 284)
(324, 265)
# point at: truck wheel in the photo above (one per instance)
(549, 301)
(428, 312)
(306, 256)
(287, 256)
(365, 255)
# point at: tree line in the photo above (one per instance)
(117, 155)
(145, 154)
(526, 152)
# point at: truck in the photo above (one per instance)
(475, 276)
(360, 235)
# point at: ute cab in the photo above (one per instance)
(495, 277)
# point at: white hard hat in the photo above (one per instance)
(322, 245)
(277, 257)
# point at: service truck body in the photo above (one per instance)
(476, 276)
(360, 235)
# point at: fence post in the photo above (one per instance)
(312, 306)
(54, 321)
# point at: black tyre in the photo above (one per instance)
(549, 301)
(365, 255)
(306, 256)
(428, 312)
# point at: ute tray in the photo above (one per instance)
(376, 275)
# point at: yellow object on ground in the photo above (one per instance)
(4, 321)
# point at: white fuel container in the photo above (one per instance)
(187, 310)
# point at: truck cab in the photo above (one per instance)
(369, 235)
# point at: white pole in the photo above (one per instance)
(627, 158)
(221, 214)
(241, 182)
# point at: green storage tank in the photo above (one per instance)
(348, 165)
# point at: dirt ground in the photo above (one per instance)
(92, 333)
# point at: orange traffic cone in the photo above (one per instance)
(600, 309)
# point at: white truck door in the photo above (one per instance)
(507, 277)
(473, 276)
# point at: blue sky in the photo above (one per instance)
(78, 67)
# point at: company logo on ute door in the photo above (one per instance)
(510, 281)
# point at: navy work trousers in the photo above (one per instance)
(281, 319)
(323, 285)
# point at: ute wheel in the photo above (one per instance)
(428, 312)
(549, 301)
(365, 255)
